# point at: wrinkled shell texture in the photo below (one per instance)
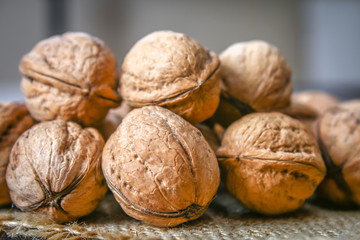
(272, 162)
(160, 168)
(172, 70)
(338, 133)
(14, 120)
(316, 100)
(70, 77)
(256, 74)
(55, 169)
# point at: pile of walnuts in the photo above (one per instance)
(156, 132)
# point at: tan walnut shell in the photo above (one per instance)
(272, 163)
(255, 78)
(55, 169)
(14, 120)
(70, 77)
(172, 70)
(338, 134)
(160, 168)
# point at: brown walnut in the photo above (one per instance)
(338, 134)
(160, 168)
(70, 77)
(14, 120)
(210, 136)
(174, 71)
(352, 105)
(272, 162)
(55, 169)
(255, 78)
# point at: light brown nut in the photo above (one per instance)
(14, 120)
(70, 77)
(160, 168)
(338, 134)
(256, 75)
(174, 71)
(55, 169)
(272, 162)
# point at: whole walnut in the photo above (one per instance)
(160, 168)
(172, 70)
(55, 169)
(70, 77)
(338, 134)
(256, 75)
(14, 120)
(272, 162)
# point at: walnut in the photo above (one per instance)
(255, 77)
(55, 169)
(14, 120)
(338, 134)
(70, 77)
(160, 168)
(174, 71)
(272, 162)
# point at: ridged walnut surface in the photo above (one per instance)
(70, 77)
(256, 74)
(338, 133)
(14, 120)
(172, 70)
(272, 162)
(160, 168)
(55, 169)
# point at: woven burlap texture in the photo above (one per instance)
(225, 219)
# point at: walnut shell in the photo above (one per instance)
(338, 134)
(70, 77)
(272, 162)
(256, 75)
(174, 71)
(55, 169)
(14, 120)
(160, 168)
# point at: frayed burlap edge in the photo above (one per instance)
(19, 224)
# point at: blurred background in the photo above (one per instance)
(319, 38)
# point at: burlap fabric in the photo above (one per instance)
(225, 219)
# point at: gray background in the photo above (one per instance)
(319, 38)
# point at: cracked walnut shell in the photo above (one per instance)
(70, 77)
(256, 75)
(338, 134)
(160, 168)
(272, 162)
(55, 169)
(172, 70)
(14, 120)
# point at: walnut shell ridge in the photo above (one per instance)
(172, 70)
(70, 77)
(160, 168)
(256, 74)
(55, 169)
(14, 120)
(272, 163)
(338, 134)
